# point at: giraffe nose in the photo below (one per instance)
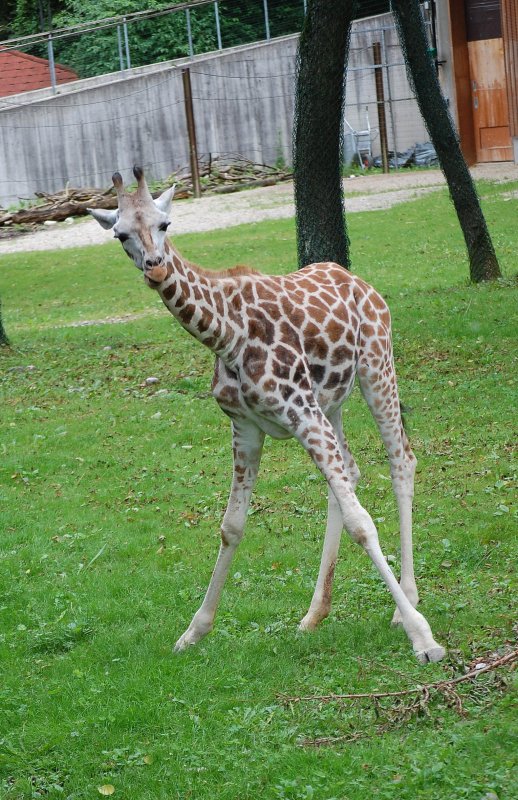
(154, 262)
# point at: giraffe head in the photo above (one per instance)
(140, 224)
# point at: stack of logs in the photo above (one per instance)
(216, 177)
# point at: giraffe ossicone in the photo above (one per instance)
(288, 349)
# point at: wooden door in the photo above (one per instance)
(488, 81)
(489, 97)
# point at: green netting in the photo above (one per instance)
(318, 131)
(3, 336)
(423, 76)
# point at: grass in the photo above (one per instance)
(111, 494)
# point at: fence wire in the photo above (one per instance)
(243, 102)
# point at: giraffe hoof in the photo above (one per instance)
(397, 618)
(192, 636)
(313, 619)
(182, 644)
(307, 625)
(431, 655)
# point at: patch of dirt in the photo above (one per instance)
(362, 193)
(8, 232)
(82, 323)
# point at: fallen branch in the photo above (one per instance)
(68, 203)
(218, 175)
(236, 187)
(419, 696)
(443, 685)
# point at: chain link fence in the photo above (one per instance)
(156, 35)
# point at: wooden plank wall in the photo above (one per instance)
(510, 37)
(462, 80)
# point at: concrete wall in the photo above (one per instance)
(243, 104)
(445, 57)
(405, 125)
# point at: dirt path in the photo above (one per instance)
(369, 193)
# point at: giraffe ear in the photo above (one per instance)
(105, 218)
(163, 203)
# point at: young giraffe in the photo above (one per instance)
(287, 351)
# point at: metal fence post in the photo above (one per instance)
(119, 44)
(389, 90)
(266, 20)
(191, 131)
(218, 27)
(380, 100)
(126, 43)
(189, 31)
(52, 66)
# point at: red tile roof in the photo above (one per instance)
(20, 72)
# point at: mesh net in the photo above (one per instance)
(322, 60)
(423, 77)
(318, 132)
(3, 336)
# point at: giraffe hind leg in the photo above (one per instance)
(318, 438)
(379, 389)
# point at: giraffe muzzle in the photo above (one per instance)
(155, 270)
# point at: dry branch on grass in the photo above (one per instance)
(407, 702)
(217, 176)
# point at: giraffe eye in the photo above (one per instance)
(163, 226)
(122, 237)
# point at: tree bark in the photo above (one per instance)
(317, 158)
(4, 341)
(483, 264)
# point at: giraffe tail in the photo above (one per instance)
(404, 411)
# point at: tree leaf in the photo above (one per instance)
(106, 789)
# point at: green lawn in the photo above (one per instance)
(111, 493)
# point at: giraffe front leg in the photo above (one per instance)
(247, 442)
(321, 601)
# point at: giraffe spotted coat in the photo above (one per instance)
(288, 349)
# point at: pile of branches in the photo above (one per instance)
(394, 708)
(230, 174)
(217, 176)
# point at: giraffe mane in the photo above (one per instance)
(235, 272)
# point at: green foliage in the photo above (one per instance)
(243, 20)
(23, 17)
(7, 12)
(149, 40)
(152, 40)
(111, 494)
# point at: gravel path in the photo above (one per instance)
(369, 193)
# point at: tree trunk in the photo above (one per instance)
(4, 341)
(483, 263)
(317, 158)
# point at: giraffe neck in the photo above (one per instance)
(201, 303)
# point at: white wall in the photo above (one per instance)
(243, 104)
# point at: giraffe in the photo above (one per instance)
(287, 351)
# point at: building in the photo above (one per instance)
(478, 54)
(20, 72)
